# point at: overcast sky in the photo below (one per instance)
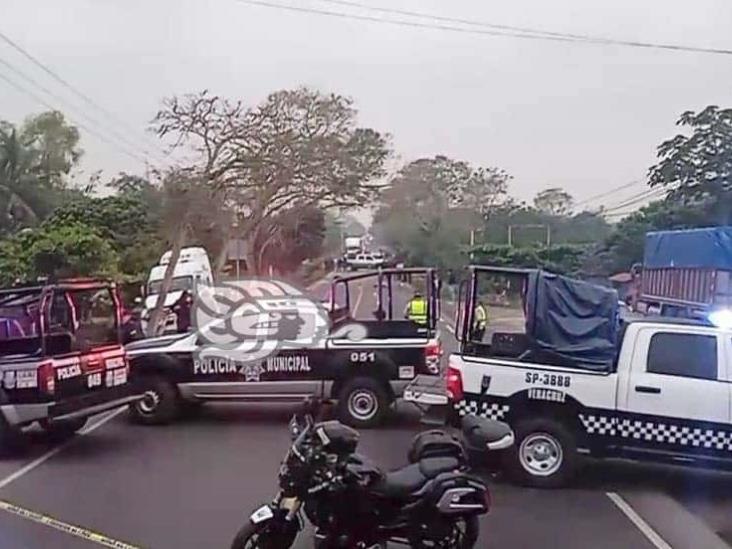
(583, 117)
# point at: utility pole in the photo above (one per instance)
(472, 244)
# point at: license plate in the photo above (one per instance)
(115, 377)
(261, 514)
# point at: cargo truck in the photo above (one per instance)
(685, 273)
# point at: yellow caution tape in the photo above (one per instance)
(71, 529)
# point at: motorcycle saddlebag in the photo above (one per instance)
(436, 443)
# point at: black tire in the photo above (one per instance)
(544, 454)
(160, 405)
(363, 403)
(264, 536)
(62, 430)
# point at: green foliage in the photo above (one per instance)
(561, 259)
(697, 168)
(554, 201)
(624, 247)
(68, 250)
(35, 162)
(431, 207)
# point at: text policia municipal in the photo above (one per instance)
(272, 364)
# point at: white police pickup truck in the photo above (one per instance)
(667, 399)
(665, 394)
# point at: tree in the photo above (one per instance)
(432, 205)
(625, 245)
(297, 148)
(561, 259)
(290, 238)
(554, 201)
(35, 162)
(54, 144)
(60, 250)
(697, 168)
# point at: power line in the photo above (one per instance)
(513, 32)
(608, 193)
(117, 120)
(25, 91)
(636, 199)
(119, 138)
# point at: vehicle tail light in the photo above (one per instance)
(454, 384)
(432, 355)
(47, 377)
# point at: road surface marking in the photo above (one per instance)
(53, 451)
(448, 326)
(71, 529)
(636, 519)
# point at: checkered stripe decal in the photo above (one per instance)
(490, 410)
(663, 432)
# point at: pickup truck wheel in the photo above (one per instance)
(362, 403)
(544, 455)
(160, 403)
(62, 430)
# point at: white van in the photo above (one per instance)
(192, 271)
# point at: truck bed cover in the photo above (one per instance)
(709, 248)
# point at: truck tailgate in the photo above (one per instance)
(86, 372)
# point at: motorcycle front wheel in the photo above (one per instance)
(271, 534)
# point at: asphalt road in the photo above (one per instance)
(191, 484)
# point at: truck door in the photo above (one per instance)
(678, 372)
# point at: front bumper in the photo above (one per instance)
(76, 407)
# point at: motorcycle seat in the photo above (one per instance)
(407, 480)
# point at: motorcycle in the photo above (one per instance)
(434, 502)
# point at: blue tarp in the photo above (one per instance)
(572, 322)
(695, 248)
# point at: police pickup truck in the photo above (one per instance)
(579, 383)
(363, 360)
(61, 359)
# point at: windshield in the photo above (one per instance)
(179, 283)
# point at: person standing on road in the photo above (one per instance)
(480, 322)
(416, 309)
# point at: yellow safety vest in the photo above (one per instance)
(417, 311)
(481, 317)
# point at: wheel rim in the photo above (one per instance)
(149, 402)
(363, 404)
(541, 454)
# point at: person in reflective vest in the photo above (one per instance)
(416, 309)
(480, 321)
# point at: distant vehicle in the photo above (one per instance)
(352, 244)
(61, 357)
(685, 273)
(192, 271)
(366, 261)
